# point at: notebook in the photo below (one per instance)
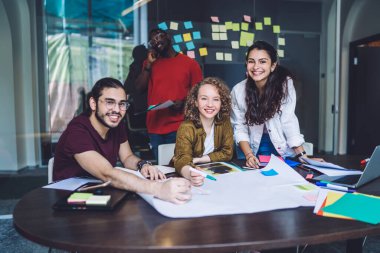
(117, 197)
(371, 172)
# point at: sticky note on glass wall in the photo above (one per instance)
(236, 27)
(177, 38)
(259, 26)
(267, 21)
(223, 36)
(215, 19)
(177, 48)
(244, 26)
(219, 56)
(246, 38)
(281, 41)
(163, 26)
(203, 51)
(173, 25)
(276, 29)
(188, 25)
(228, 25)
(190, 45)
(215, 36)
(196, 35)
(191, 54)
(227, 56)
(186, 36)
(235, 44)
(214, 28)
(222, 28)
(281, 53)
(247, 18)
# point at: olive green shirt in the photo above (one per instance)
(190, 143)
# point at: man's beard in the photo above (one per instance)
(102, 121)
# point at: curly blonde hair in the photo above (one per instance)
(192, 111)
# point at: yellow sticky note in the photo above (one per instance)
(280, 53)
(267, 21)
(174, 25)
(259, 26)
(236, 27)
(276, 29)
(222, 28)
(214, 28)
(246, 38)
(244, 26)
(186, 36)
(219, 56)
(215, 36)
(235, 44)
(228, 25)
(203, 51)
(227, 56)
(223, 36)
(281, 41)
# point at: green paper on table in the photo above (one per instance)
(79, 198)
(88, 199)
(357, 206)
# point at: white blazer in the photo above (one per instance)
(283, 128)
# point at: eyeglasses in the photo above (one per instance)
(111, 103)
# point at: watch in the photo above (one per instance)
(300, 154)
(141, 163)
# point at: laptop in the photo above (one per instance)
(371, 172)
(117, 196)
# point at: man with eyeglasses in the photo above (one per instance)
(95, 140)
(167, 75)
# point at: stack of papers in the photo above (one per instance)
(353, 206)
(329, 169)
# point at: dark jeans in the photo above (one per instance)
(158, 139)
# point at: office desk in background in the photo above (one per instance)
(136, 227)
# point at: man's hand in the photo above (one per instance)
(175, 190)
(152, 56)
(152, 172)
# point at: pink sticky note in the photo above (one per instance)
(247, 18)
(215, 19)
(191, 54)
(264, 158)
(309, 176)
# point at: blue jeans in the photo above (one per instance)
(266, 148)
(158, 139)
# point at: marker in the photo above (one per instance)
(203, 174)
(334, 187)
(363, 162)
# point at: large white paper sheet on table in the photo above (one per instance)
(243, 192)
(71, 184)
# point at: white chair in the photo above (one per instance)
(308, 146)
(50, 170)
(165, 153)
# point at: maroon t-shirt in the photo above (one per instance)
(81, 136)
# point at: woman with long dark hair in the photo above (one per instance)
(263, 108)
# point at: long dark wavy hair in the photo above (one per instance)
(261, 108)
(192, 111)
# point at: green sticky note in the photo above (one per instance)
(79, 198)
(357, 206)
(228, 25)
(246, 39)
(306, 187)
(267, 21)
(244, 26)
(281, 41)
(236, 27)
(276, 29)
(259, 26)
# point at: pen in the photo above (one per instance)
(204, 174)
(334, 187)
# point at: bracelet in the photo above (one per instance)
(249, 155)
(141, 163)
(300, 154)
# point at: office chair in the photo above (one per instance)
(165, 153)
(308, 146)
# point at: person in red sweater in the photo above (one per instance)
(167, 75)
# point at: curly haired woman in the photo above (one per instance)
(263, 108)
(206, 134)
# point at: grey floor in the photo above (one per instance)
(14, 186)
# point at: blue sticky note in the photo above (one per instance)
(177, 38)
(268, 173)
(163, 26)
(197, 35)
(176, 48)
(188, 24)
(292, 163)
(190, 45)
